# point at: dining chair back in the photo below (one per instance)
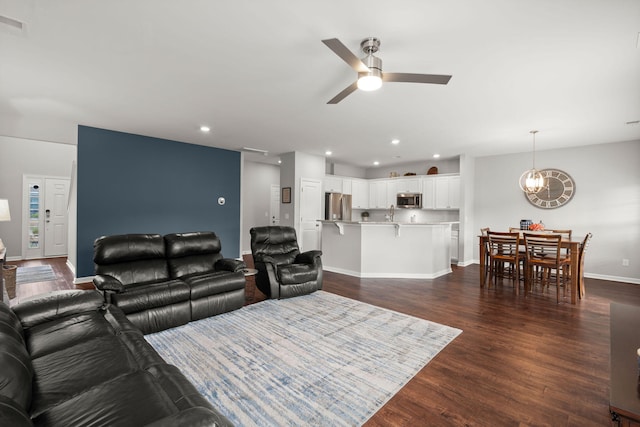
(504, 256)
(544, 254)
(483, 233)
(581, 253)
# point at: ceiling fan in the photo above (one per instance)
(369, 68)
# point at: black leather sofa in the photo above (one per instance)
(66, 359)
(162, 282)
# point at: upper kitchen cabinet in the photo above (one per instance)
(408, 185)
(447, 192)
(359, 194)
(378, 196)
(428, 193)
(332, 184)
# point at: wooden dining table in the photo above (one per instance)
(573, 247)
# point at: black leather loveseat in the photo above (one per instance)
(162, 282)
(66, 359)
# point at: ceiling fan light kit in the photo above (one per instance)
(369, 69)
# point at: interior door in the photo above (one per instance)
(55, 217)
(274, 207)
(310, 213)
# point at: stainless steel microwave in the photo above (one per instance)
(409, 200)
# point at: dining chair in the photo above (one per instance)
(581, 253)
(483, 233)
(504, 257)
(544, 253)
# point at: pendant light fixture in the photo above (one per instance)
(532, 181)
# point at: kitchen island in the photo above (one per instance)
(387, 249)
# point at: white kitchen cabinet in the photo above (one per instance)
(347, 186)
(332, 184)
(378, 194)
(447, 192)
(408, 185)
(359, 194)
(428, 193)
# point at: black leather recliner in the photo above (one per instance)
(283, 271)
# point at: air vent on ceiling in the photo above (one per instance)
(12, 26)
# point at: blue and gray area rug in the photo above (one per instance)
(315, 360)
(39, 273)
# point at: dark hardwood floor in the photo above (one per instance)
(519, 361)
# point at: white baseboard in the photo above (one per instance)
(86, 279)
(613, 278)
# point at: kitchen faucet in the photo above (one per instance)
(391, 209)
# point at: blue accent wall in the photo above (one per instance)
(137, 184)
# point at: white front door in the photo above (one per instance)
(310, 213)
(44, 230)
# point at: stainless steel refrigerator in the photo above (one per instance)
(337, 206)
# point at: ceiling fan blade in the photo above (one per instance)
(345, 92)
(347, 56)
(438, 79)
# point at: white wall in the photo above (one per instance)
(606, 201)
(297, 165)
(27, 156)
(257, 179)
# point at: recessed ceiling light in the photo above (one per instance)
(395, 141)
(436, 156)
(205, 128)
(328, 153)
(279, 161)
(376, 163)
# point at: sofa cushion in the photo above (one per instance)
(134, 399)
(135, 272)
(203, 285)
(127, 247)
(190, 253)
(145, 296)
(294, 274)
(62, 333)
(278, 243)
(68, 372)
(131, 258)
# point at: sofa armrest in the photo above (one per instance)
(308, 257)
(230, 264)
(104, 282)
(57, 304)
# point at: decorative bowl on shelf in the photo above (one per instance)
(432, 171)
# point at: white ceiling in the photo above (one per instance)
(258, 74)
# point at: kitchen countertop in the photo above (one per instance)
(389, 222)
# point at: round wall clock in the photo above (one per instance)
(558, 191)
